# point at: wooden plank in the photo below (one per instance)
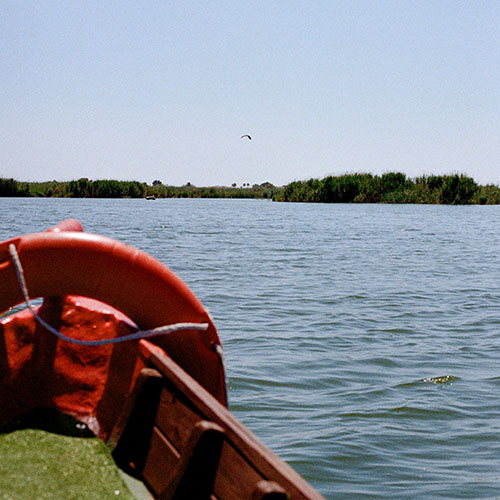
(176, 417)
(160, 464)
(131, 436)
(194, 475)
(236, 479)
(145, 377)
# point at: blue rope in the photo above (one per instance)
(139, 334)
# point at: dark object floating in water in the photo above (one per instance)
(160, 403)
(246, 135)
(151, 197)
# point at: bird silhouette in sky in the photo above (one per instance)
(246, 135)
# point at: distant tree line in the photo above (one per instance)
(85, 188)
(392, 187)
(10, 187)
(265, 190)
(81, 188)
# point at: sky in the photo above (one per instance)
(146, 90)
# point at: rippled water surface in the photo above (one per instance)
(361, 341)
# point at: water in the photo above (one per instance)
(361, 340)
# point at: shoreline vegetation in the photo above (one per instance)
(391, 187)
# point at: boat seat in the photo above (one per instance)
(183, 444)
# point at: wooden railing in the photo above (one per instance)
(183, 444)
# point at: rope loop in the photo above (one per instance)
(139, 334)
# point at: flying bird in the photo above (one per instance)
(246, 135)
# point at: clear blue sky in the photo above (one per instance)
(144, 90)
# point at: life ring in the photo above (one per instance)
(59, 263)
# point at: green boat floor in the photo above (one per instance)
(40, 465)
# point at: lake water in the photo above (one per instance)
(361, 341)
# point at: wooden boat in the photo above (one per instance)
(159, 401)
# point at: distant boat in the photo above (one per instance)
(151, 197)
